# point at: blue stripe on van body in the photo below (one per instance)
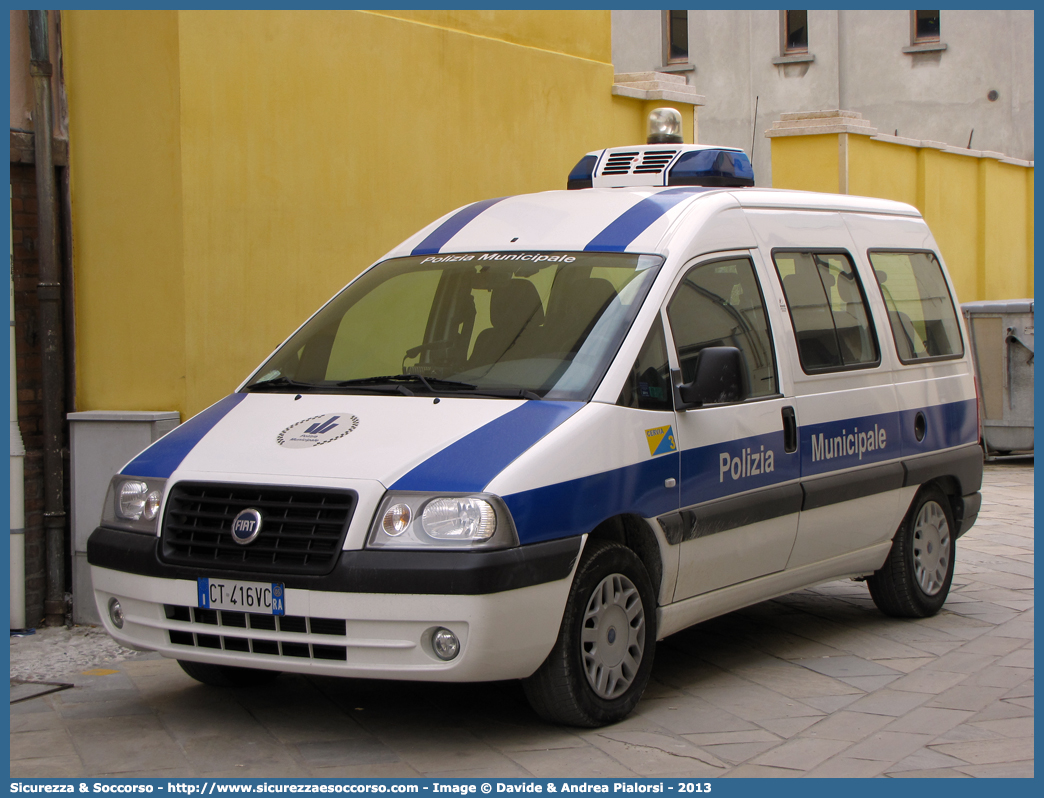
(885, 436)
(572, 508)
(755, 462)
(637, 219)
(577, 506)
(834, 445)
(471, 463)
(165, 455)
(438, 237)
(946, 426)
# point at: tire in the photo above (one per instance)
(595, 674)
(227, 675)
(916, 577)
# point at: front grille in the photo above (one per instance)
(302, 529)
(241, 624)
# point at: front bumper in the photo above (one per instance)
(371, 617)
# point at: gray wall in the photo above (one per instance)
(942, 96)
(859, 66)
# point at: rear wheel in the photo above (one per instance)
(601, 663)
(227, 675)
(916, 577)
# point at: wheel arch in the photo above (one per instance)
(633, 532)
(951, 488)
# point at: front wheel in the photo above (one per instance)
(603, 657)
(916, 577)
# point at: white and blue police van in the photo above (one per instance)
(549, 430)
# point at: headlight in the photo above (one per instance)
(427, 521)
(133, 503)
(466, 518)
(130, 502)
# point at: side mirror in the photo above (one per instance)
(720, 378)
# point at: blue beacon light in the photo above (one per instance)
(712, 168)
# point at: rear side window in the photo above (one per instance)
(828, 309)
(719, 304)
(920, 308)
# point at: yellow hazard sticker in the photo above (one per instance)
(661, 440)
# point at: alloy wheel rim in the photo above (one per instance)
(931, 548)
(612, 638)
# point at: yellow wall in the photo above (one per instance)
(576, 33)
(949, 199)
(123, 88)
(231, 170)
(876, 169)
(979, 209)
(805, 163)
(1007, 249)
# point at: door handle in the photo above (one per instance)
(790, 437)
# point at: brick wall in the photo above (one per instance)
(29, 376)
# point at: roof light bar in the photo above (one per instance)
(712, 167)
(582, 173)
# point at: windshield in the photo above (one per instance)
(517, 324)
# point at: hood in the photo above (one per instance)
(407, 443)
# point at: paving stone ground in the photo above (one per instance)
(816, 683)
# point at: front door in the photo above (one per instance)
(740, 491)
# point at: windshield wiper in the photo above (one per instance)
(397, 379)
(280, 382)
(437, 385)
(508, 393)
(397, 383)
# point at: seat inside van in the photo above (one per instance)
(514, 309)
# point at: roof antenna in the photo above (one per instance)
(754, 129)
(970, 138)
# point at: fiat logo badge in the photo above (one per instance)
(246, 526)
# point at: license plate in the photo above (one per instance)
(264, 598)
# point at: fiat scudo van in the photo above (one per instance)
(549, 430)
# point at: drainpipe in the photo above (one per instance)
(49, 293)
(17, 484)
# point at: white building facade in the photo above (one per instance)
(964, 78)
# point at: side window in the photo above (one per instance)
(720, 304)
(920, 308)
(828, 309)
(648, 386)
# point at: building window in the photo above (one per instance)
(925, 33)
(793, 41)
(795, 32)
(677, 37)
(925, 26)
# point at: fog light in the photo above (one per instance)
(116, 613)
(445, 644)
